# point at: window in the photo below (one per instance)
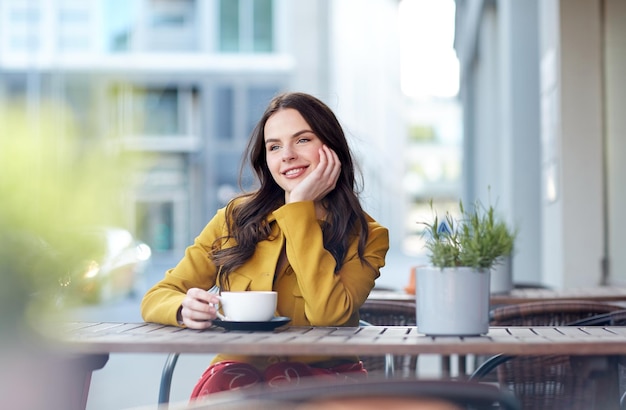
(26, 43)
(155, 111)
(246, 26)
(78, 97)
(74, 27)
(120, 18)
(170, 26)
(171, 13)
(15, 88)
(73, 43)
(258, 98)
(150, 25)
(237, 109)
(263, 25)
(155, 224)
(224, 115)
(73, 16)
(29, 15)
(227, 168)
(24, 27)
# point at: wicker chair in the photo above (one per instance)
(615, 318)
(543, 382)
(390, 313)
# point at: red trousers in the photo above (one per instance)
(229, 375)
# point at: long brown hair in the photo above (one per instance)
(246, 218)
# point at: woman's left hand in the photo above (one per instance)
(321, 181)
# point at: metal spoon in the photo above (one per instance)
(216, 290)
(219, 315)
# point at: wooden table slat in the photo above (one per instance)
(619, 330)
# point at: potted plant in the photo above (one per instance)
(498, 240)
(502, 270)
(453, 291)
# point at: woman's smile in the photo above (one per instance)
(294, 172)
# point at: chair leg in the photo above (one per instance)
(462, 367)
(389, 366)
(166, 378)
(445, 367)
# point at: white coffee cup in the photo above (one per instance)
(249, 306)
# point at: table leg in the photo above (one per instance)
(37, 378)
(79, 369)
(445, 367)
(390, 369)
(462, 367)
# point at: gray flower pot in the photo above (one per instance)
(502, 275)
(452, 301)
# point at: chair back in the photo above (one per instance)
(390, 313)
(614, 318)
(544, 382)
(548, 313)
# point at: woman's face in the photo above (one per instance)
(291, 147)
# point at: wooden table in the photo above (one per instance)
(598, 294)
(391, 295)
(113, 337)
(600, 346)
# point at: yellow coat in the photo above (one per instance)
(309, 291)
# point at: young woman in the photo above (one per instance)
(302, 233)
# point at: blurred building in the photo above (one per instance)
(542, 89)
(182, 82)
(433, 160)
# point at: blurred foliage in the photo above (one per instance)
(53, 184)
(422, 133)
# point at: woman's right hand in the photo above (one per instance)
(321, 181)
(198, 309)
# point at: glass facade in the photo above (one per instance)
(155, 111)
(246, 26)
(24, 21)
(79, 99)
(257, 98)
(119, 22)
(74, 21)
(155, 224)
(263, 26)
(223, 109)
(229, 26)
(190, 126)
(150, 25)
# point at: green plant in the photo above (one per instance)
(54, 183)
(475, 240)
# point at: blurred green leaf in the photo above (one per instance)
(53, 183)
